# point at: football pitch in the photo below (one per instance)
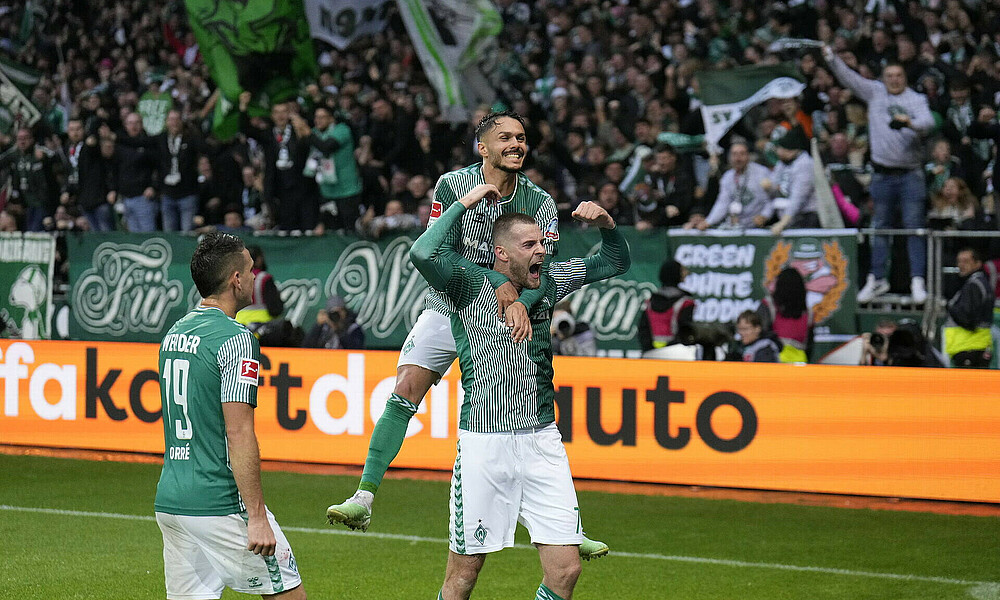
(85, 530)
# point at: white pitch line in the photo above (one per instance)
(419, 539)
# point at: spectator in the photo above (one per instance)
(611, 200)
(986, 127)
(785, 313)
(250, 198)
(7, 221)
(908, 347)
(569, 336)
(176, 152)
(757, 347)
(134, 165)
(35, 179)
(211, 206)
(669, 190)
(267, 304)
(336, 170)
(292, 195)
(954, 207)
(941, 167)
(393, 221)
(742, 201)
(95, 179)
(967, 338)
(876, 344)
(232, 222)
(898, 118)
(336, 328)
(669, 314)
(793, 188)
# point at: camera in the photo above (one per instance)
(878, 341)
(564, 324)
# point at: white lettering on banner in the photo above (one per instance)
(12, 371)
(382, 287)
(720, 285)
(716, 256)
(298, 295)
(127, 289)
(15, 361)
(26, 250)
(724, 310)
(352, 387)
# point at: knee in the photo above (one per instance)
(413, 384)
(565, 575)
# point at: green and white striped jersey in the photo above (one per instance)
(507, 386)
(206, 359)
(472, 236)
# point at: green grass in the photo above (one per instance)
(63, 556)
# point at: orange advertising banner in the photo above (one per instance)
(915, 433)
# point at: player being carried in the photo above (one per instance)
(429, 349)
(217, 532)
(511, 465)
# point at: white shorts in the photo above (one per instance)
(203, 555)
(429, 344)
(501, 479)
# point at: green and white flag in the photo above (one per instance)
(340, 22)
(263, 47)
(456, 41)
(728, 95)
(26, 263)
(17, 83)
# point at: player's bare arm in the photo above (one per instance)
(244, 456)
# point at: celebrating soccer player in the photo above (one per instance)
(511, 464)
(429, 349)
(217, 532)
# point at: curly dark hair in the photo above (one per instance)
(487, 123)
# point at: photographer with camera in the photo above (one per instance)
(876, 349)
(569, 336)
(336, 328)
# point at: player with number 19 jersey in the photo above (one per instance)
(206, 359)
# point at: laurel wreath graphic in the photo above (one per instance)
(838, 268)
(776, 261)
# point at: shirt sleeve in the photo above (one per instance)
(239, 367)
(802, 187)
(862, 88)
(611, 260)
(719, 209)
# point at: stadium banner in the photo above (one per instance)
(899, 432)
(730, 272)
(17, 84)
(26, 264)
(456, 43)
(340, 22)
(132, 287)
(263, 47)
(729, 94)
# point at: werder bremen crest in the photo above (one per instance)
(127, 288)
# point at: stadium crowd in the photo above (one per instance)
(609, 91)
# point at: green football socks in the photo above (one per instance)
(545, 593)
(387, 439)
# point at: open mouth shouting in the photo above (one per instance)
(535, 270)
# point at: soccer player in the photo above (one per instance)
(511, 465)
(429, 349)
(217, 532)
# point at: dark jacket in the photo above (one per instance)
(187, 160)
(135, 164)
(96, 176)
(988, 131)
(280, 182)
(972, 306)
(325, 336)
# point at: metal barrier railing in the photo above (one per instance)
(933, 309)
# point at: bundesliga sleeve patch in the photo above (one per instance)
(435, 212)
(248, 371)
(552, 231)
